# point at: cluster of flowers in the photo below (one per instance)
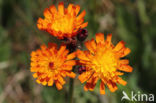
(101, 61)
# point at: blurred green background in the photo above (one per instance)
(133, 21)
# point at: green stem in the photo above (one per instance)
(71, 90)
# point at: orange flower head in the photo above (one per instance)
(103, 62)
(64, 22)
(51, 65)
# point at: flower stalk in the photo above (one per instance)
(71, 90)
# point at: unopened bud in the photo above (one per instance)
(81, 69)
(82, 34)
(72, 46)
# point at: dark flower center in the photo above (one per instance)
(51, 65)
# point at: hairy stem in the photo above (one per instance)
(71, 90)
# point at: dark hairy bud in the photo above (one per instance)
(81, 69)
(72, 46)
(82, 34)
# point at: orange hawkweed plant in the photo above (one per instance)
(103, 62)
(51, 65)
(64, 22)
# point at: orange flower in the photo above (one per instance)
(62, 23)
(51, 65)
(103, 62)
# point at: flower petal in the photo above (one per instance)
(61, 8)
(58, 85)
(102, 88)
(71, 56)
(81, 15)
(109, 37)
(99, 38)
(119, 46)
(125, 68)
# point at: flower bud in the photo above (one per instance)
(82, 34)
(71, 46)
(81, 69)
